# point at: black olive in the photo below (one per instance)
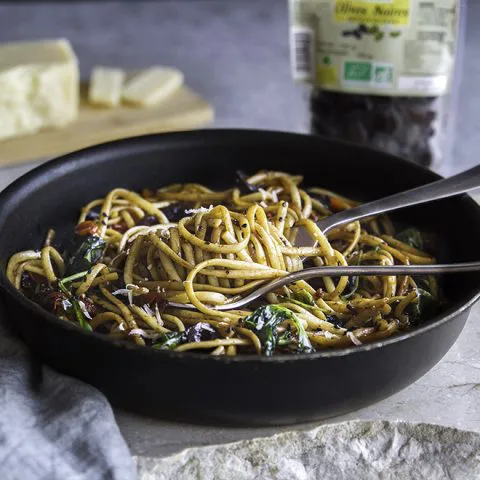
(90, 307)
(425, 158)
(28, 284)
(243, 184)
(93, 214)
(201, 332)
(386, 120)
(148, 220)
(176, 211)
(42, 295)
(337, 322)
(324, 127)
(356, 132)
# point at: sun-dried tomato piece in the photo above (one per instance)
(86, 228)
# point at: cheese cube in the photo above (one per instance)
(106, 86)
(39, 86)
(152, 86)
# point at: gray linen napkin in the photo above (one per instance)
(52, 426)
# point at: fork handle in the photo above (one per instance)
(308, 273)
(448, 187)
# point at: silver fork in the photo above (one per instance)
(448, 187)
(356, 270)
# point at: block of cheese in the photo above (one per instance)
(39, 86)
(106, 86)
(152, 86)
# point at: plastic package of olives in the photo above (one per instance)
(411, 127)
(383, 75)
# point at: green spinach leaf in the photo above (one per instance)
(75, 305)
(200, 332)
(264, 321)
(304, 296)
(285, 338)
(169, 340)
(84, 253)
(353, 282)
(411, 236)
(424, 308)
(79, 315)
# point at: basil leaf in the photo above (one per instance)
(200, 332)
(304, 296)
(264, 321)
(243, 184)
(77, 311)
(169, 340)
(84, 253)
(424, 308)
(411, 236)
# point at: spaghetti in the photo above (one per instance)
(133, 253)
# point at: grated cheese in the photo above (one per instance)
(134, 232)
(199, 210)
(120, 291)
(158, 316)
(353, 338)
(128, 291)
(264, 193)
(137, 331)
(275, 193)
(66, 304)
(146, 308)
(84, 309)
(143, 333)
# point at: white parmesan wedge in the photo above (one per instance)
(39, 86)
(106, 86)
(152, 86)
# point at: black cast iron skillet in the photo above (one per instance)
(250, 390)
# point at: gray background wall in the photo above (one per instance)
(234, 52)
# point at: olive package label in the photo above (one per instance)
(382, 47)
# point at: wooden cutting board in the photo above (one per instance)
(184, 110)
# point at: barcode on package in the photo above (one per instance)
(301, 53)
